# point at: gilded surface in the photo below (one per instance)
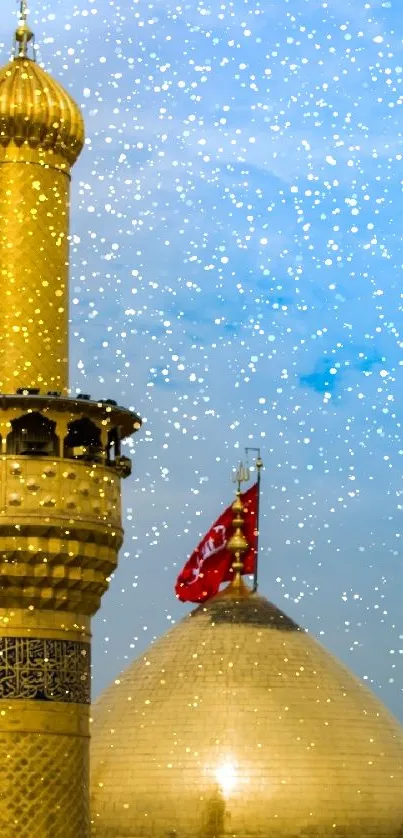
(59, 519)
(239, 723)
(34, 622)
(36, 486)
(36, 110)
(60, 531)
(41, 136)
(22, 716)
(43, 786)
(45, 670)
(34, 277)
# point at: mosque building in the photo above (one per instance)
(236, 722)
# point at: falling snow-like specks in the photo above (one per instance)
(236, 278)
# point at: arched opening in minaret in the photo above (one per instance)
(33, 435)
(113, 447)
(83, 440)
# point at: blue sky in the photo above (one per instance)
(236, 278)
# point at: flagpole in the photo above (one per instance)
(259, 466)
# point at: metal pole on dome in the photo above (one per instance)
(259, 466)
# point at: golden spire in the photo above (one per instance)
(238, 544)
(23, 34)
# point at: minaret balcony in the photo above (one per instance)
(35, 425)
(60, 500)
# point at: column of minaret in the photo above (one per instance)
(60, 470)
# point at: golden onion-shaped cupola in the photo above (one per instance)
(36, 113)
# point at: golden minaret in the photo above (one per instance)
(60, 470)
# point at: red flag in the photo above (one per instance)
(211, 563)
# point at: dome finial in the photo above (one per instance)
(238, 544)
(23, 34)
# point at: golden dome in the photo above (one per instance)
(37, 113)
(237, 722)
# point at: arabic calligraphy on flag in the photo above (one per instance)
(211, 562)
